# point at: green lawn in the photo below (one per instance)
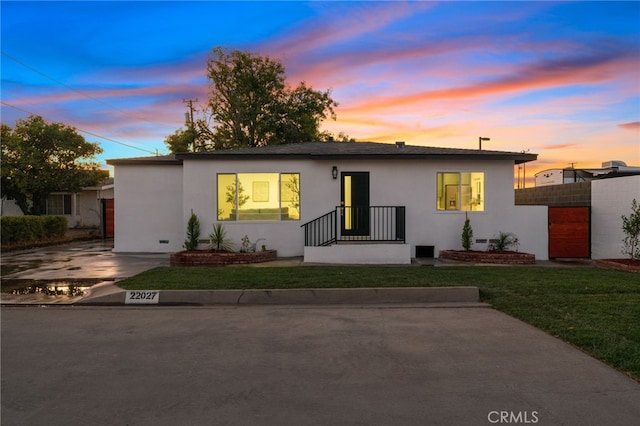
(594, 309)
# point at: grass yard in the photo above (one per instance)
(596, 310)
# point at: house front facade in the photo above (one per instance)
(329, 202)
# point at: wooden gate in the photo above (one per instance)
(108, 218)
(569, 232)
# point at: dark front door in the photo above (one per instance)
(355, 204)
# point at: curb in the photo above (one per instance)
(313, 296)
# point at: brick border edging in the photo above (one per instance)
(502, 258)
(206, 258)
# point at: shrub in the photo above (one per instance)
(467, 234)
(193, 233)
(218, 239)
(631, 228)
(21, 229)
(503, 242)
(55, 226)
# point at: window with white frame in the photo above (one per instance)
(258, 196)
(59, 204)
(460, 191)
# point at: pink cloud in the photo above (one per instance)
(581, 70)
(337, 27)
(634, 125)
(560, 146)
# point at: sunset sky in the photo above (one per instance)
(558, 79)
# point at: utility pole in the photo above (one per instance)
(189, 118)
(524, 170)
(190, 102)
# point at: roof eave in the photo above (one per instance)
(517, 157)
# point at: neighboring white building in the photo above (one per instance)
(331, 202)
(610, 200)
(613, 168)
(83, 209)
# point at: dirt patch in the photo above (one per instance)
(629, 265)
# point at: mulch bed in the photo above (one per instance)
(493, 257)
(217, 258)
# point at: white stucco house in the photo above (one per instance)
(359, 202)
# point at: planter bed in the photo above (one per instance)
(619, 264)
(496, 257)
(213, 258)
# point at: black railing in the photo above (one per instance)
(321, 231)
(374, 223)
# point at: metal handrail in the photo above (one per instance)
(373, 223)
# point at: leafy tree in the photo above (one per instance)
(39, 158)
(182, 140)
(631, 228)
(330, 137)
(251, 104)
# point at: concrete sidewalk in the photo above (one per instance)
(110, 294)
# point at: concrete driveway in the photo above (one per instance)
(78, 260)
(63, 273)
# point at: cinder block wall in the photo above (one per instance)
(566, 195)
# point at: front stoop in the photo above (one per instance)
(360, 254)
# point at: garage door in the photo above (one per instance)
(569, 232)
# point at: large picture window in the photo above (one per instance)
(258, 196)
(460, 191)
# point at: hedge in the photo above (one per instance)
(19, 229)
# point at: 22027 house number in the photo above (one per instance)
(141, 297)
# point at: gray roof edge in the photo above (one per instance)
(165, 160)
(333, 151)
(472, 155)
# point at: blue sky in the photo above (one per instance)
(558, 79)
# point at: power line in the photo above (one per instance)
(86, 95)
(83, 131)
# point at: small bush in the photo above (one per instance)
(218, 239)
(504, 241)
(467, 234)
(193, 232)
(631, 228)
(21, 229)
(55, 226)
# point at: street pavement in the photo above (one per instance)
(287, 364)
